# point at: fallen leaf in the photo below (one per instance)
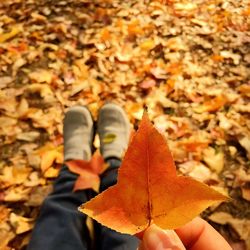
(87, 180)
(147, 45)
(244, 89)
(134, 28)
(51, 172)
(245, 143)
(147, 83)
(6, 235)
(5, 81)
(16, 194)
(4, 213)
(148, 190)
(14, 175)
(51, 156)
(196, 170)
(17, 65)
(28, 136)
(158, 73)
(229, 55)
(215, 160)
(192, 146)
(9, 35)
(21, 224)
(245, 193)
(241, 226)
(242, 177)
(38, 195)
(88, 172)
(41, 75)
(212, 105)
(22, 108)
(44, 90)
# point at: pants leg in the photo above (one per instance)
(108, 239)
(60, 225)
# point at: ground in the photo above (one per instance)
(186, 61)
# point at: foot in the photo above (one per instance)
(78, 134)
(114, 130)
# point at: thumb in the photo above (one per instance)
(155, 238)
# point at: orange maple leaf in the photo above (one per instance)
(148, 190)
(88, 171)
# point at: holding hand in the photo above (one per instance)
(196, 235)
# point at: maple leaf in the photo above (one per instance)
(148, 190)
(88, 171)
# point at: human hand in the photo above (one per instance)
(196, 235)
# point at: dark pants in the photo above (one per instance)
(60, 226)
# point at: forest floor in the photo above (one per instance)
(186, 61)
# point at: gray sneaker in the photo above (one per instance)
(78, 134)
(114, 130)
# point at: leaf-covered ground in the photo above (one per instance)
(187, 61)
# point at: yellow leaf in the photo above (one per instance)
(215, 160)
(147, 45)
(7, 36)
(21, 224)
(48, 158)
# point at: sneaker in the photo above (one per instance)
(78, 134)
(114, 129)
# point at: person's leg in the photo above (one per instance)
(60, 225)
(113, 123)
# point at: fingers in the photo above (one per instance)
(155, 238)
(199, 235)
(196, 235)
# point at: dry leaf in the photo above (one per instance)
(147, 83)
(212, 105)
(21, 224)
(14, 175)
(245, 193)
(241, 226)
(147, 45)
(28, 136)
(215, 160)
(148, 190)
(38, 195)
(5, 81)
(245, 143)
(51, 156)
(7, 36)
(88, 172)
(41, 75)
(6, 235)
(16, 194)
